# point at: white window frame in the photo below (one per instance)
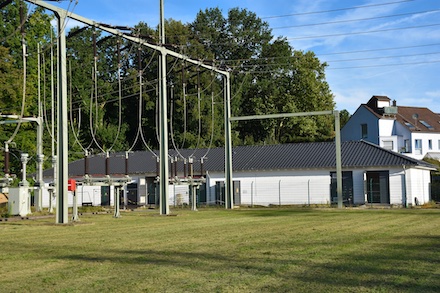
(418, 146)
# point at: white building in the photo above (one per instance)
(413, 131)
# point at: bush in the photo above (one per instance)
(4, 213)
(430, 205)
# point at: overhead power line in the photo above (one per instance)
(384, 57)
(349, 67)
(237, 61)
(363, 32)
(336, 10)
(386, 65)
(270, 65)
(264, 60)
(321, 23)
(357, 19)
(379, 49)
(340, 34)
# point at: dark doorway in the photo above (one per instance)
(201, 193)
(152, 199)
(378, 187)
(105, 195)
(347, 187)
(220, 192)
(132, 194)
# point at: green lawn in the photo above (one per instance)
(215, 250)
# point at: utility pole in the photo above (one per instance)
(229, 196)
(62, 129)
(163, 145)
(338, 158)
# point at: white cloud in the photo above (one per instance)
(433, 94)
(351, 99)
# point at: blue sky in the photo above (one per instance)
(372, 47)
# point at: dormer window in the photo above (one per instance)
(409, 125)
(426, 124)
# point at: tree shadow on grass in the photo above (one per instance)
(400, 266)
(201, 261)
(274, 212)
(388, 267)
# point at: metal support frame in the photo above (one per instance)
(335, 113)
(118, 183)
(229, 189)
(75, 217)
(163, 145)
(116, 197)
(24, 159)
(39, 184)
(62, 130)
(62, 162)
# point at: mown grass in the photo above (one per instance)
(243, 250)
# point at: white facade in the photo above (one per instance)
(418, 186)
(303, 187)
(430, 142)
(85, 195)
(277, 187)
(404, 141)
(92, 195)
(388, 139)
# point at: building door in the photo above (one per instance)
(105, 195)
(132, 194)
(151, 190)
(347, 187)
(201, 193)
(220, 192)
(237, 192)
(378, 187)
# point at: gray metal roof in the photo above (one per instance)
(317, 155)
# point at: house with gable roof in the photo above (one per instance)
(285, 174)
(412, 131)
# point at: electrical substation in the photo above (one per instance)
(62, 188)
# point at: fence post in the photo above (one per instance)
(252, 194)
(308, 191)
